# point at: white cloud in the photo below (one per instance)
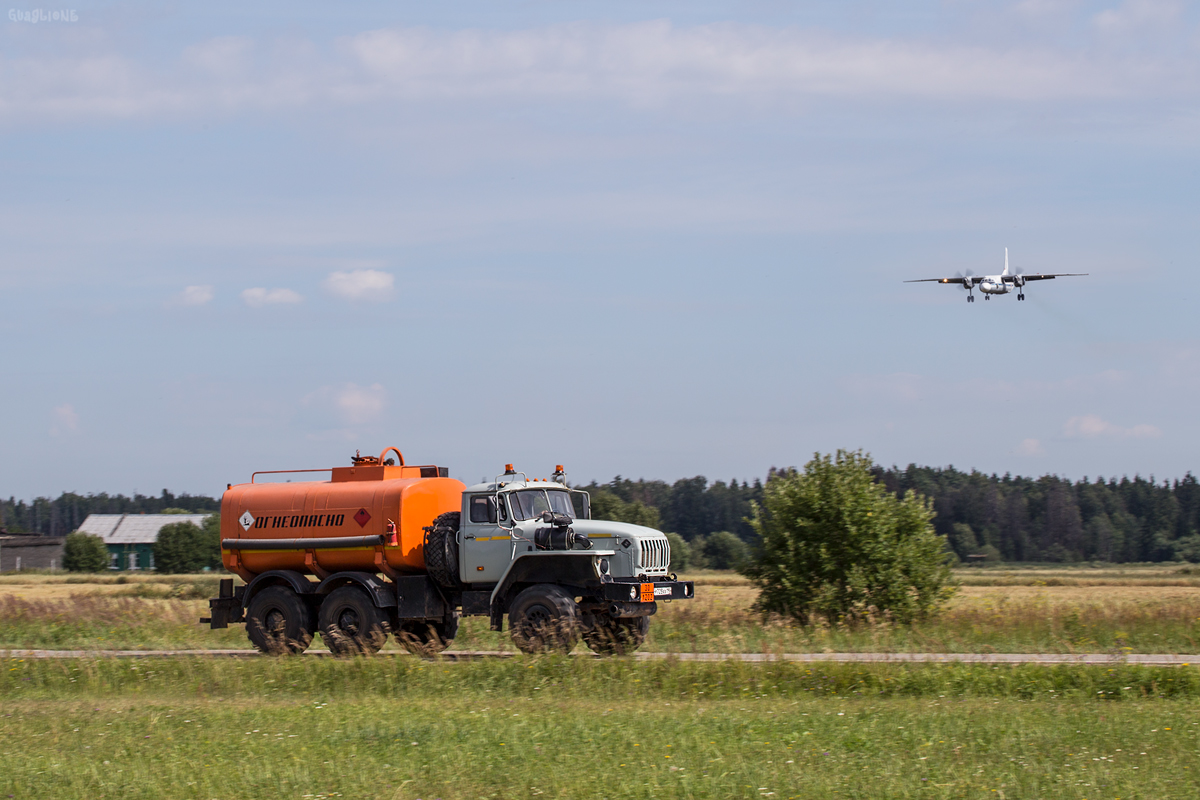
(1030, 447)
(225, 55)
(360, 404)
(642, 63)
(195, 295)
(66, 420)
(1135, 14)
(350, 403)
(360, 284)
(1091, 426)
(263, 297)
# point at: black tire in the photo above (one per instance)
(616, 637)
(544, 619)
(441, 550)
(351, 624)
(427, 637)
(279, 622)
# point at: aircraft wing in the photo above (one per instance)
(1037, 276)
(941, 280)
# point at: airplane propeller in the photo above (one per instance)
(968, 283)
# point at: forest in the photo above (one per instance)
(60, 516)
(983, 517)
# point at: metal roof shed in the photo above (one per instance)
(129, 537)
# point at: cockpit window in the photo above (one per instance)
(560, 503)
(528, 504)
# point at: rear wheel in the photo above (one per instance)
(427, 637)
(441, 550)
(351, 624)
(543, 619)
(616, 637)
(279, 622)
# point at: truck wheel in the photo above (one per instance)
(544, 618)
(351, 624)
(426, 637)
(441, 550)
(278, 622)
(616, 637)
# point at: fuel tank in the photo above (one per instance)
(373, 498)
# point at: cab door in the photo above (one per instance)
(486, 549)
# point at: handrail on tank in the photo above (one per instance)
(285, 471)
(395, 450)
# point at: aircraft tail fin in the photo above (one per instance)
(1005, 261)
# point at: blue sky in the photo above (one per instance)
(648, 239)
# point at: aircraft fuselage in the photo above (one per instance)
(994, 285)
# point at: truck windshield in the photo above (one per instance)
(531, 503)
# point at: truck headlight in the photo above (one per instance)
(633, 593)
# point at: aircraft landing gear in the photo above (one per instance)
(1021, 296)
(987, 297)
(970, 298)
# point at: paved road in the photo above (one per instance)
(1151, 659)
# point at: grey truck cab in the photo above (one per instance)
(529, 550)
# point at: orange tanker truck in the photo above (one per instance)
(383, 547)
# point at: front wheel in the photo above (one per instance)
(351, 624)
(616, 637)
(278, 622)
(543, 619)
(425, 637)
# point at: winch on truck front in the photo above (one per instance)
(383, 547)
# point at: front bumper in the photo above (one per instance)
(627, 590)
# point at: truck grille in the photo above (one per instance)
(656, 555)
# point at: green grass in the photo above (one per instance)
(405, 728)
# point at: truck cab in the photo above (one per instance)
(500, 522)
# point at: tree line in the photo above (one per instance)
(1000, 518)
(1052, 519)
(980, 516)
(61, 515)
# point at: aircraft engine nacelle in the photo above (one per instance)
(1019, 280)
(968, 282)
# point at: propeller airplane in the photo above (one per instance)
(1003, 283)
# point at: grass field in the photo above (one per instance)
(555, 727)
(1132, 609)
(403, 728)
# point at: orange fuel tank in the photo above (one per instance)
(380, 505)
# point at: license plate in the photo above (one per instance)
(647, 592)
(659, 591)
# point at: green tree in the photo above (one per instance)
(837, 545)
(212, 541)
(606, 505)
(723, 550)
(187, 547)
(681, 553)
(83, 552)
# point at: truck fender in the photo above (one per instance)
(278, 577)
(569, 567)
(381, 594)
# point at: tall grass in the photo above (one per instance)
(634, 680)
(164, 613)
